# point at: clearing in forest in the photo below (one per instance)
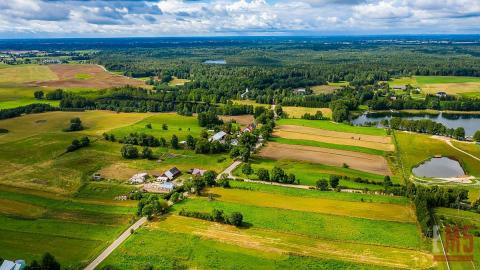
(355, 160)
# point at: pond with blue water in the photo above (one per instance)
(439, 167)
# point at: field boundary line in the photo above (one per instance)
(115, 244)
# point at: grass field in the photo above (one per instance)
(279, 230)
(34, 146)
(454, 85)
(461, 218)
(177, 82)
(292, 112)
(37, 222)
(367, 210)
(177, 124)
(416, 148)
(309, 173)
(328, 125)
(19, 82)
(328, 145)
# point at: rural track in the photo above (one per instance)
(460, 150)
(115, 244)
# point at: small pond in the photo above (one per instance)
(441, 167)
(216, 62)
(470, 122)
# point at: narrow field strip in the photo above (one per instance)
(378, 211)
(328, 145)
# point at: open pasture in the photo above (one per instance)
(276, 235)
(378, 211)
(176, 124)
(313, 193)
(173, 247)
(333, 126)
(308, 173)
(73, 230)
(298, 112)
(177, 82)
(95, 122)
(328, 145)
(26, 73)
(294, 132)
(416, 148)
(453, 85)
(85, 76)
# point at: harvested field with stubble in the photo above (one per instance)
(355, 160)
(383, 143)
(242, 120)
(85, 76)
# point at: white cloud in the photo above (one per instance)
(224, 17)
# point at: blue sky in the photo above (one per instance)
(130, 18)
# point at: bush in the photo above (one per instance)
(75, 125)
(247, 169)
(322, 184)
(236, 219)
(129, 151)
(263, 174)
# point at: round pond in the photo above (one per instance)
(441, 167)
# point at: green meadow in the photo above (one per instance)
(309, 173)
(276, 237)
(328, 145)
(415, 148)
(177, 124)
(74, 230)
(328, 125)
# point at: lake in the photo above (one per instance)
(470, 122)
(439, 167)
(216, 62)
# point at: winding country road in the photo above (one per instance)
(115, 244)
(458, 149)
(449, 142)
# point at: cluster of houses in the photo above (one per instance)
(163, 182)
(440, 94)
(13, 265)
(221, 135)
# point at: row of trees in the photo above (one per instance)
(425, 126)
(28, 109)
(276, 175)
(77, 144)
(234, 218)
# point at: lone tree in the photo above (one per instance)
(174, 141)
(75, 125)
